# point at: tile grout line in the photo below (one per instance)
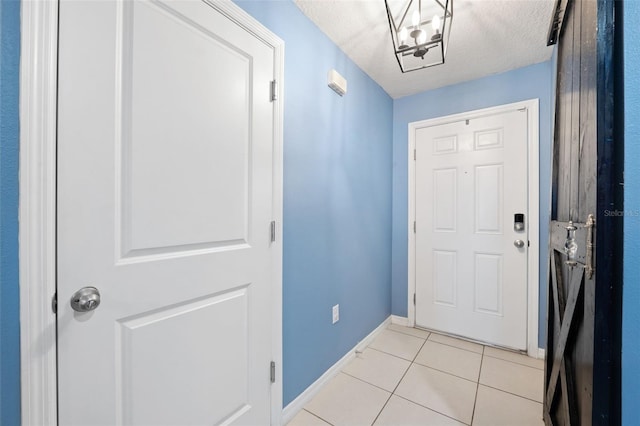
(399, 381)
(421, 365)
(447, 372)
(482, 355)
(406, 334)
(413, 362)
(382, 409)
(424, 406)
(315, 415)
(514, 362)
(387, 353)
(364, 381)
(458, 347)
(405, 372)
(435, 369)
(431, 409)
(428, 338)
(403, 375)
(380, 350)
(510, 393)
(409, 334)
(414, 402)
(465, 340)
(421, 347)
(483, 351)
(475, 400)
(408, 368)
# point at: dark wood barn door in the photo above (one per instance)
(582, 368)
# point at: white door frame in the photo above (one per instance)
(533, 283)
(38, 100)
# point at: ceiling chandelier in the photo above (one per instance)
(420, 31)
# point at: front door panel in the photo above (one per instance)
(471, 179)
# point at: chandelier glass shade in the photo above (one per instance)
(420, 31)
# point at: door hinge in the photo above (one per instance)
(414, 226)
(414, 299)
(273, 372)
(274, 91)
(54, 303)
(273, 231)
(414, 155)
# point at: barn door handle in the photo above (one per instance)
(588, 267)
(570, 245)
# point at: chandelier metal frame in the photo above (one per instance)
(400, 25)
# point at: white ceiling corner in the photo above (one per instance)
(487, 37)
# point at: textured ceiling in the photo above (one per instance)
(487, 37)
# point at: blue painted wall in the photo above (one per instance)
(525, 83)
(631, 290)
(337, 199)
(9, 141)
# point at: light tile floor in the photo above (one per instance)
(412, 377)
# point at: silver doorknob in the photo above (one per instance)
(518, 243)
(86, 299)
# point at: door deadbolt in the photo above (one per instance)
(518, 222)
(86, 299)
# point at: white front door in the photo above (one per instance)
(165, 200)
(470, 183)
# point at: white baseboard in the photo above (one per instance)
(298, 404)
(541, 353)
(403, 321)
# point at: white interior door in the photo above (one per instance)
(165, 199)
(470, 182)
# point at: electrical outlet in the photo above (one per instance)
(336, 314)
